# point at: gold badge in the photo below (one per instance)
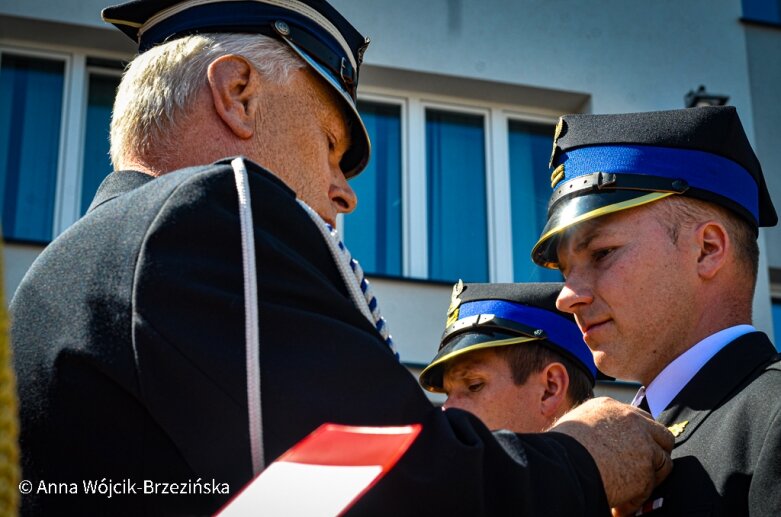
(455, 303)
(678, 428)
(556, 135)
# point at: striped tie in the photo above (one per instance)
(366, 289)
(352, 273)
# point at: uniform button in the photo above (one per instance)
(282, 28)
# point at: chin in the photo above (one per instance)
(604, 363)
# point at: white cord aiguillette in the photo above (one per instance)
(251, 332)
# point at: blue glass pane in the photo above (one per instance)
(762, 10)
(97, 164)
(373, 230)
(776, 308)
(457, 222)
(31, 93)
(530, 148)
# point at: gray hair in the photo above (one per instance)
(158, 86)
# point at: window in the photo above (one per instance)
(529, 149)
(454, 190)
(763, 11)
(31, 99)
(455, 172)
(100, 99)
(55, 110)
(373, 231)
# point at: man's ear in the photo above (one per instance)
(554, 397)
(714, 246)
(235, 85)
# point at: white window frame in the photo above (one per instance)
(497, 118)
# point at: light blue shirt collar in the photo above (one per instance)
(676, 375)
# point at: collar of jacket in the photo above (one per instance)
(116, 184)
(721, 378)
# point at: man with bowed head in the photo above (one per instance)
(204, 317)
(510, 357)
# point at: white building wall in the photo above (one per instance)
(764, 62)
(630, 55)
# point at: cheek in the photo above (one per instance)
(623, 284)
(313, 186)
(461, 402)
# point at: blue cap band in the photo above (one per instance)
(701, 170)
(559, 330)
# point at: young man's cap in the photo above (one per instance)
(313, 29)
(602, 164)
(484, 316)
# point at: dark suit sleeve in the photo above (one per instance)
(764, 496)
(321, 361)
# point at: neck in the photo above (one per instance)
(710, 324)
(139, 166)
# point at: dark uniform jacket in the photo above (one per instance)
(727, 457)
(129, 346)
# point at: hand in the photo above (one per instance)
(632, 452)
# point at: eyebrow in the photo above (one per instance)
(462, 370)
(593, 230)
(341, 131)
(592, 233)
(586, 240)
(345, 123)
(348, 135)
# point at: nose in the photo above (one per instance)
(458, 400)
(453, 402)
(342, 195)
(573, 296)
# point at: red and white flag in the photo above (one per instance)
(325, 473)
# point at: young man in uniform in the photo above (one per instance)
(510, 357)
(653, 222)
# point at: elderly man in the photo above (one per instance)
(653, 222)
(202, 319)
(510, 357)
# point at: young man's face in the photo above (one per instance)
(631, 290)
(481, 382)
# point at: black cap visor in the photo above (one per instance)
(432, 377)
(568, 212)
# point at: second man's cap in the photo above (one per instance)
(484, 316)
